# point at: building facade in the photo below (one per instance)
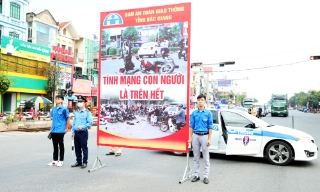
(25, 64)
(42, 28)
(13, 18)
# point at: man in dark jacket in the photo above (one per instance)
(260, 112)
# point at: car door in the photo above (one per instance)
(243, 137)
(216, 129)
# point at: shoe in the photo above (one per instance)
(60, 163)
(195, 179)
(83, 166)
(205, 180)
(53, 163)
(118, 154)
(76, 164)
(110, 153)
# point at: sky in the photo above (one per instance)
(254, 34)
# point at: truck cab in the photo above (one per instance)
(279, 105)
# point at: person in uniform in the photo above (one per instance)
(254, 111)
(200, 136)
(60, 122)
(115, 151)
(82, 120)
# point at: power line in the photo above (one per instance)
(258, 56)
(266, 67)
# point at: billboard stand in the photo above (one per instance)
(188, 171)
(97, 163)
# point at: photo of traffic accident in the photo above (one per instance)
(142, 119)
(150, 49)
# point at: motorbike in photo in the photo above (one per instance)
(185, 53)
(179, 51)
(164, 66)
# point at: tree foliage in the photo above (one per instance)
(53, 73)
(131, 33)
(172, 34)
(302, 99)
(5, 81)
(105, 38)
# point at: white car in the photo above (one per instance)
(149, 49)
(238, 133)
(172, 110)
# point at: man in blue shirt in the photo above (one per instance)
(60, 120)
(200, 136)
(181, 117)
(82, 120)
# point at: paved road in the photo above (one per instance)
(115, 65)
(24, 157)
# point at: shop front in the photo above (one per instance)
(25, 64)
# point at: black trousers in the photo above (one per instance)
(180, 125)
(81, 146)
(58, 145)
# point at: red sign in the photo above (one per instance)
(89, 100)
(132, 90)
(69, 104)
(81, 87)
(94, 110)
(61, 53)
(94, 91)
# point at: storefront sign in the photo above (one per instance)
(65, 74)
(64, 55)
(81, 87)
(94, 91)
(18, 48)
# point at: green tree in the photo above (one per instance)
(152, 38)
(171, 34)
(292, 101)
(53, 73)
(131, 33)
(114, 99)
(239, 98)
(105, 38)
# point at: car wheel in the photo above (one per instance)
(279, 153)
(164, 128)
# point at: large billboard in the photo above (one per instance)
(18, 48)
(144, 75)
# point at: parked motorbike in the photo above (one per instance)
(169, 123)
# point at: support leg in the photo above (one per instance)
(97, 163)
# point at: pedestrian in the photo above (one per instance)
(60, 122)
(181, 117)
(254, 111)
(260, 112)
(200, 132)
(115, 151)
(81, 122)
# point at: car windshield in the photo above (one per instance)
(173, 109)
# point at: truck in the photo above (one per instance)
(247, 102)
(279, 105)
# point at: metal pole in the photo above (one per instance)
(207, 86)
(292, 122)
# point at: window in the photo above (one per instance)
(70, 49)
(15, 10)
(58, 44)
(215, 118)
(64, 31)
(14, 35)
(63, 46)
(235, 120)
(43, 34)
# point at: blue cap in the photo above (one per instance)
(180, 105)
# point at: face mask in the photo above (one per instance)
(80, 105)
